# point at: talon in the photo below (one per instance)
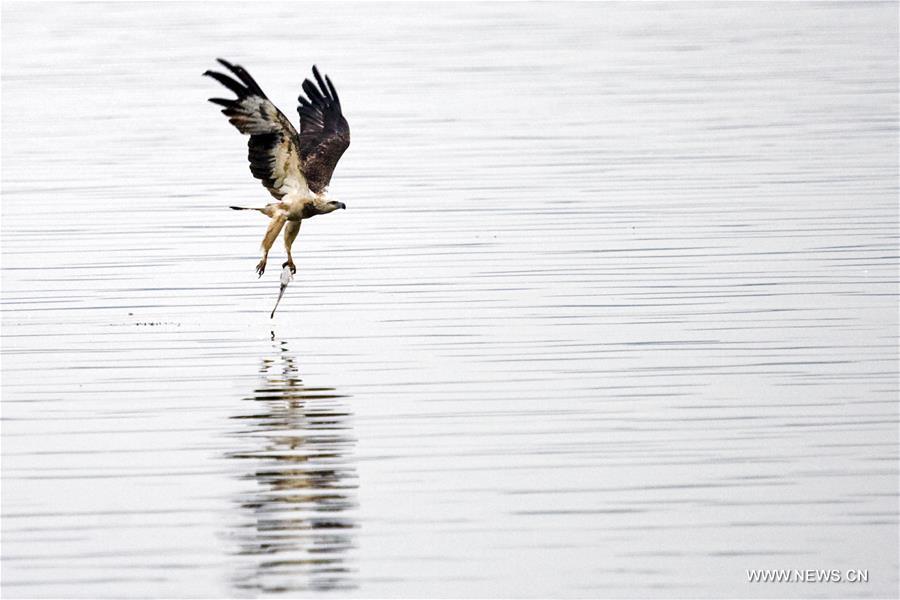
(290, 264)
(261, 267)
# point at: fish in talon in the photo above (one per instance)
(286, 275)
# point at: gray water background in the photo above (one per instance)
(612, 311)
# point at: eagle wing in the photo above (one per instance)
(324, 132)
(274, 146)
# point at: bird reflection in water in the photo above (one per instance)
(297, 521)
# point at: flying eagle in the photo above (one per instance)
(295, 167)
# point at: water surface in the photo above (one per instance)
(612, 311)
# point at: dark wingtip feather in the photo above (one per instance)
(315, 96)
(221, 101)
(333, 91)
(230, 83)
(322, 87)
(244, 76)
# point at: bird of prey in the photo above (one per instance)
(295, 167)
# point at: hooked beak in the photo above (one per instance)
(344, 206)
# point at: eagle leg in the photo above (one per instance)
(290, 234)
(272, 232)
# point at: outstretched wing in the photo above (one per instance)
(274, 148)
(324, 133)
